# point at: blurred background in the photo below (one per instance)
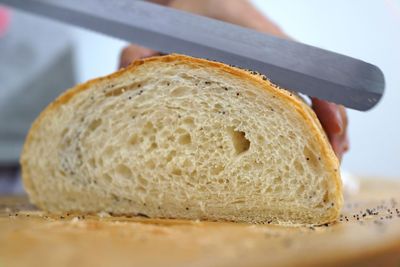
(50, 57)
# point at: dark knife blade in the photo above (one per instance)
(289, 64)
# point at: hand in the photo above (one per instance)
(241, 12)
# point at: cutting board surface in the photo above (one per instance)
(366, 234)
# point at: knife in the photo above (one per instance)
(289, 64)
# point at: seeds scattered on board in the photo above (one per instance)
(385, 211)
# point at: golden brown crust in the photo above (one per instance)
(303, 109)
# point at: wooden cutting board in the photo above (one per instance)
(366, 234)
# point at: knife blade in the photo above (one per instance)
(289, 64)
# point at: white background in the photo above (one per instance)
(364, 29)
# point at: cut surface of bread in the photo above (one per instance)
(181, 137)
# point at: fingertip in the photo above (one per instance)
(134, 52)
(329, 115)
(338, 121)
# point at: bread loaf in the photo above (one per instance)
(181, 137)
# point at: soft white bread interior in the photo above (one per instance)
(180, 137)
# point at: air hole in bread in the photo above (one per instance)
(217, 170)
(217, 106)
(116, 92)
(247, 167)
(150, 164)
(142, 180)
(148, 129)
(187, 163)
(277, 180)
(133, 140)
(189, 121)
(300, 190)
(240, 143)
(180, 131)
(277, 188)
(176, 172)
(299, 167)
(124, 171)
(326, 197)
(94, 124)
(64, 131)
(122, 89)
(185, 139)
(107, 178)
(238, 202)
(140, 189)
(109, 151)
(171, 155)
(179, 91)
(92, 163)
(152, 147)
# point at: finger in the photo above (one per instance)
(133, 52)
(336, 142)
(329, 115)
(343, 114)
(340, 144)
(334, 120)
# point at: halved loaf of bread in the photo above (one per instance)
(180, 137)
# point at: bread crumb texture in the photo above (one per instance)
(180, 137)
